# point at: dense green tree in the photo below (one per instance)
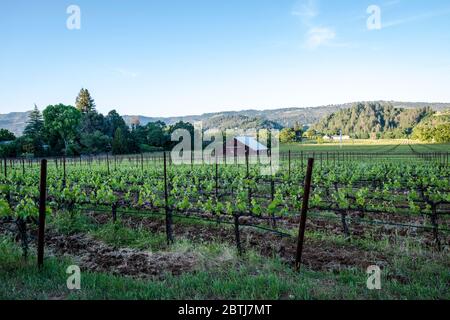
(287, 135)
(113, 121)
(434, 128)
(95, 143)
(60, 124)
(310, 133)
(372, 120)
(442, 133)
(119, 144)
(35, 123)
(180, 125)
(6, 135)
(298, 129)
(84, 102)
(91, 122)
(34, 133)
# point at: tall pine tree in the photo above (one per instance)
(84, 101)
(35, 124)
(34, 132)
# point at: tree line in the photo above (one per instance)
(383, 121)
(75, 130)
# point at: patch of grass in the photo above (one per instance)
(117, 235)
(70, 222)
(252, 277)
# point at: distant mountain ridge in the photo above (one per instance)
(14, 122)
(275, 118)
(278, 118)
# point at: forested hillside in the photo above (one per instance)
(373, 120)
(434, 128)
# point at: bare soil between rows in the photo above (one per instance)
(94, 255)
(317, 255)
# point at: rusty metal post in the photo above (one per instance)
(42, 204)
(237, 234)
(301, 232)
(166, 207)
(107, 163)
(217, 181)
(64, 170)
(289, 172)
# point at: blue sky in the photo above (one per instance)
(178, 57)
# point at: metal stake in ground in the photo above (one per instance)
(42, 203)
(64, 171)
(107, 163)
(167, 209)
(289, 160)
(237, 234)
(301, 232)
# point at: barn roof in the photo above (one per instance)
(251, 142)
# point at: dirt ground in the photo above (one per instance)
(317, 255)
(95, 255)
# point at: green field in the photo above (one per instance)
(366, 146)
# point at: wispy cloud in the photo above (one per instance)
(391, 3)
(319, 36)
(316, 35)
(306, 10)
(416, 18)
(126, 73)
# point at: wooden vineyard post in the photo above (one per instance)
(5, 169)
(107, 163)
(42, 204)
(142, 162)
(272, 198)
(64, 171)
(217, 181)
(247, 164)
(167, 209)
(301, 155)
(289, 160)
(114, 212)
(301, 232)
(237, 234)
(23, 166)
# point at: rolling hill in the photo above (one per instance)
(276, 118)
(373, 119)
